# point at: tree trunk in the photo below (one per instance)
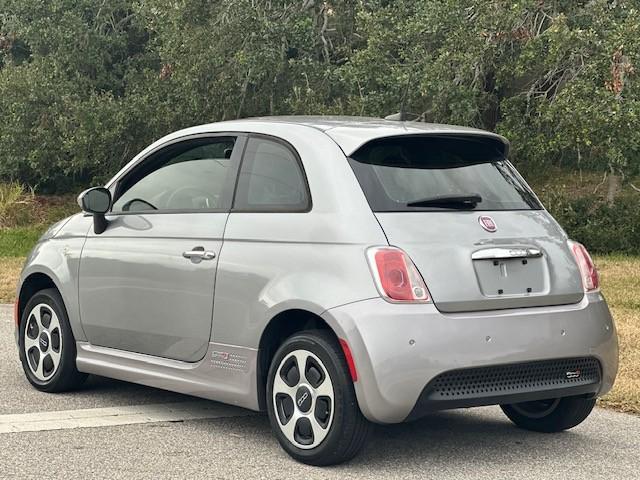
(614, 186)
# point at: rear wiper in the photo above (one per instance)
(461, 202)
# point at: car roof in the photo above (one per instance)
(350, 133)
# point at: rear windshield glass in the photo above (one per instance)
(415, 173)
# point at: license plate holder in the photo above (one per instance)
(511, 276)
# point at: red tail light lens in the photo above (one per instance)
(349, 358)
(396, 277)
(590, 278)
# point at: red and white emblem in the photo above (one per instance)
(487, 223)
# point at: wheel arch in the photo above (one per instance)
(279, 328)
(64, 375)
(38, 277)
(33, 283)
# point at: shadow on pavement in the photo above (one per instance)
(474, 436)
(109, 388)
(481, 436)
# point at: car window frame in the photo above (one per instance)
(228, 194)
(273, 209)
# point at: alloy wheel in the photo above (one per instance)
(43, 342)
(303, 399)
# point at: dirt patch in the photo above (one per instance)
(10, 268)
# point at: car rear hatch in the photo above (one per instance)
(469, 222)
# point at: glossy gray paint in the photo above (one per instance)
(350, 133)
(268, 263)
(393, 370)
(272, 262)
(225, 374)
(138, 292)
(57, 255)
(441, 245)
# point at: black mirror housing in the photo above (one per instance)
(97, 202)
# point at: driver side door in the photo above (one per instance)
(147, 282)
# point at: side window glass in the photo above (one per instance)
(271, 179)
(192, 175)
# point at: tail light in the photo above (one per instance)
(395, 275)
(588, 272)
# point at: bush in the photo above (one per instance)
(601, 227)
(15, 205)
(84, 85)
(20, 208)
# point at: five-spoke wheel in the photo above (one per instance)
(303, 399)
(311, 403)
(42, 341)
(47, 345)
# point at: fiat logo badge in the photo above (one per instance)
(487, 223)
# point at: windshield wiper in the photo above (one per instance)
(462, 202)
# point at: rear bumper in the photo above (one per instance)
(400, 349)
(510, 383)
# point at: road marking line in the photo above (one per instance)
(112, 416)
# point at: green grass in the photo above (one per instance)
(16, 242)
(24, 216)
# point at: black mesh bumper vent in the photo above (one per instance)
(514, 379)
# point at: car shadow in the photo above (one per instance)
(109, 389)
(468, 438)
(478, 436)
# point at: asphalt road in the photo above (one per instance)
(208, 440)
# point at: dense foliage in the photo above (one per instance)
(604, 228)
(85, 84)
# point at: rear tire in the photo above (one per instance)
(549, 416)
(47, 346)
(325, 427)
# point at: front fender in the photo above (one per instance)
(58, 257)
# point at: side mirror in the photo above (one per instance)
(97, 202)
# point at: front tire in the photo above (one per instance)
(311, 401)
(549, 416)
(46, 344)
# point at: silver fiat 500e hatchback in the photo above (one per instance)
(331, 271)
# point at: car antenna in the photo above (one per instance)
(403, 117)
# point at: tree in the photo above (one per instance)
(556, 77)
(86, 84)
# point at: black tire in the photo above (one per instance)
(349, 429)
(66, 377)
(555, 415)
